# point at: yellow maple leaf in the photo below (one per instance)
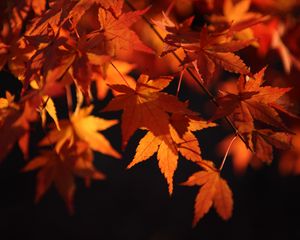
(85, 127)
(238, 14)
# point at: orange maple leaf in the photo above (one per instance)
(115, 34)
(251, 101)
(62, 52)
(145, 106)
(10, 132)
(263, 140)
(239, 19)
(212, 50)
(62, 10)
(61, 168)
(214, 191)
(289, 163)
(63, 55)
(270, 36)
(15, 124)
(13, 19)
(207, 48)
(185, 142)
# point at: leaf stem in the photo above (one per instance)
(200, 84)
(43, 127)
(69, 100)
(75, 29)
(120, 74)
(180, 81)
(227, 151)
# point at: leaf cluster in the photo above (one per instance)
(57, 48)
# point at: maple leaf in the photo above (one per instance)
(239, 20)
(61, 51)
(83, 69)
(115, 33)
(263, 140)
(212, 51)
(207, 48)
(270, 36)
(145, 106)
(61, 168)
(63, 54)
(85, 127)
(13, 18)
(13, 15)
(289, 162)
(28, 116)
(62, 10)
(175, 34)
(214, 191)
(10, 132)
(27, 113)
(18, 54)
(113, 6)
(185, 143)
(52, 59)
(55, 17)
(251, 101)
(73, 155)
(15, 124)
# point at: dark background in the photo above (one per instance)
(134, 204)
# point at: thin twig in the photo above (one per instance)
(199, 83)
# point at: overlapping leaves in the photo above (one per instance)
(145, 106)
(250, 102)
(55, 49)
(72, 155)
(185, 143)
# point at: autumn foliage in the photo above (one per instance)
(240, 56)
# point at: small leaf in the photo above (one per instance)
(214, 191)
